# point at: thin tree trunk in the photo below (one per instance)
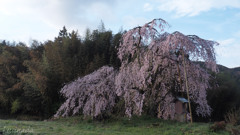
(186, 80)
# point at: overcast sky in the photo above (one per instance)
(219, 20)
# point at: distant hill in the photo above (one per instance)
(237, 71)
(233, 72)
(222, 68)
(224, 96)
(237, 68)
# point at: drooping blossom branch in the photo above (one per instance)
(157, 73)
(93, 95)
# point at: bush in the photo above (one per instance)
(233, 116)
(218, 126)
(15, 106)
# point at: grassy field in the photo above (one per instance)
(77, 126)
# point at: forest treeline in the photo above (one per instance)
(32, 77)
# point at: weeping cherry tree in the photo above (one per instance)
(152, 74)
(152, 71)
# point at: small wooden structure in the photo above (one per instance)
(181, 105)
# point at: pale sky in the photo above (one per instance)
(218, 20)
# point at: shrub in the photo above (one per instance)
(218, 126)
(233, 116)
(15, 106)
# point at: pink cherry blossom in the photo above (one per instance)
(91, 95)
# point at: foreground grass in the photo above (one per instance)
(123, 126)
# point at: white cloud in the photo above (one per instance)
(195, 7)
(147, 7)
(227, 42)
(132, 22)
(228, 48)
(228, 52)
(101, 11)
(53, 14)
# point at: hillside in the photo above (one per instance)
(233, 72)
(225, 93)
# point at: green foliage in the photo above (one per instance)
(225, 93)
(11, 59)
(31, 77)
(15, 106)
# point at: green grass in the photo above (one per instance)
(78, 126)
